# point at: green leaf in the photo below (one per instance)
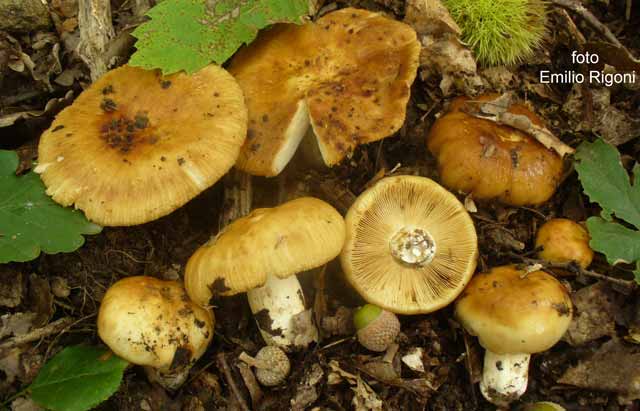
(189, 34)
(618, 243)
(78, 379)
(30, 221)
(606, 182)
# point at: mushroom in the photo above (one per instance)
(411, 247)
(348, 75)
(514, 314)
(261, 254)
(376, 328)
(564, 241)
(493, 161)
(135, 145)
(153, 323)
(271, 363)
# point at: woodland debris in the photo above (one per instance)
(615, 367)
(306, 390)
(594, 314)
(96, 32)
(34, 335)
(23, 16)
(52, 106)
(11, 287)
(498, 111)
(443, 53)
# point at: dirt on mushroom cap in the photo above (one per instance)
(135, 145)
(348, 75)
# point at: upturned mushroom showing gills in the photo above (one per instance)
(411, 247)
(514, 314)
(492, 161)
(347, 75)
(260, 254)
(153, 323)
(135, 145)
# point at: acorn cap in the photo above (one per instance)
(514, 312)
(135, 145)
(376, 328)
(348, 75)
(493, 161)
(271, 363)
(153, 323)
(411, 246)
(296, 236)
(562, 241)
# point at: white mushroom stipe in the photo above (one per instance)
(504, 377)
(412, 246)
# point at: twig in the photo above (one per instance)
(576, 269)
(96, 32)
(578, 8)
(34, 335)
(226, 370)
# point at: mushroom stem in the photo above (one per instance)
(504, 377)
(279, 308)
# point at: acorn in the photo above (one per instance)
(271, 363)
(376, 328)
(543, 406)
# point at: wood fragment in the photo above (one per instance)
(96, 32)
(578, 8)
(238, 197)
(226, 371)
(36, 334)
(252, 385)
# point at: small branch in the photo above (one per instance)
(96, 32)
(34, 335)
(576, 269)
(578, 8)
(226, 370)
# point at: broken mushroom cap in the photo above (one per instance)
(153, 323)
(135, 145)
(282, 241)
(411, 247)
(562, 241)
(493, 161)
(348, 75)
(512, 311)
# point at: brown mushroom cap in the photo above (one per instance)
(296, 236)
(152, 322)
(411, 247)
(563, 241)
(493, 161)
(348, 74)
(135, 146)
(514, 312)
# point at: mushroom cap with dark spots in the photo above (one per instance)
(347, 75)
(137, 145)
(515, 312)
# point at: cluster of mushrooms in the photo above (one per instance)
(137, 145)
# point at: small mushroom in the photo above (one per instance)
(260, 254)
(153, 323)
(411, 246)
(376, 328)
(271, 363)
(493, 161)
(347, 75)
(135, 145)
(563, 241)
(514, 314)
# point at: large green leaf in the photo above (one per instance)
(78, 379)
(618, 243)
(189, 34)
(30, 221)
(606, 182)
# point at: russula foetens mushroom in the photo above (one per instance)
(514, 314)
(153, 323)
(260, 254)
(561, 240)
(135, 145)
(376, 328)
(492, 161)
(411, 247)
(347, 75)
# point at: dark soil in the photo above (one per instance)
(452, 359)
